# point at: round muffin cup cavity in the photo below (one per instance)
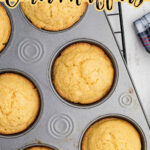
(34, 123)
(120, 117)
(107, 52)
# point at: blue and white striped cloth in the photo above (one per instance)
(142, 26)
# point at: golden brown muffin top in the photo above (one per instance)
(39, 148)
(55, 16)
(111, 134)
(83, 73)
(19, 103)
(5, 28)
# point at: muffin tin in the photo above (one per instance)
(31, 52)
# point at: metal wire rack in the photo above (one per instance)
(116, 21)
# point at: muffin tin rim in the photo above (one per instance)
(108, 52)
(118, 116)
(39, 115)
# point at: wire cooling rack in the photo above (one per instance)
(116, 21)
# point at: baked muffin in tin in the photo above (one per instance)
(55, 16)
(111, 134)
(38, 148)
(19, 103)
(83, 73)
(5, 28)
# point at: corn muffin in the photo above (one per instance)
(55, 16)
(5, 27)
(39, 148)
(83, 73)
(19, 103)
(111, 134)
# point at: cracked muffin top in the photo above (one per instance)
(83, 73)
(55, 16)
(5, 28)
(111, 134)
(19, 103)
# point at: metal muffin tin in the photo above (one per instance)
(31, 52)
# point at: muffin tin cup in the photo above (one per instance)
(126, 118)
(31, 52)
(28, 129)
(38, 144)
(108, 53)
